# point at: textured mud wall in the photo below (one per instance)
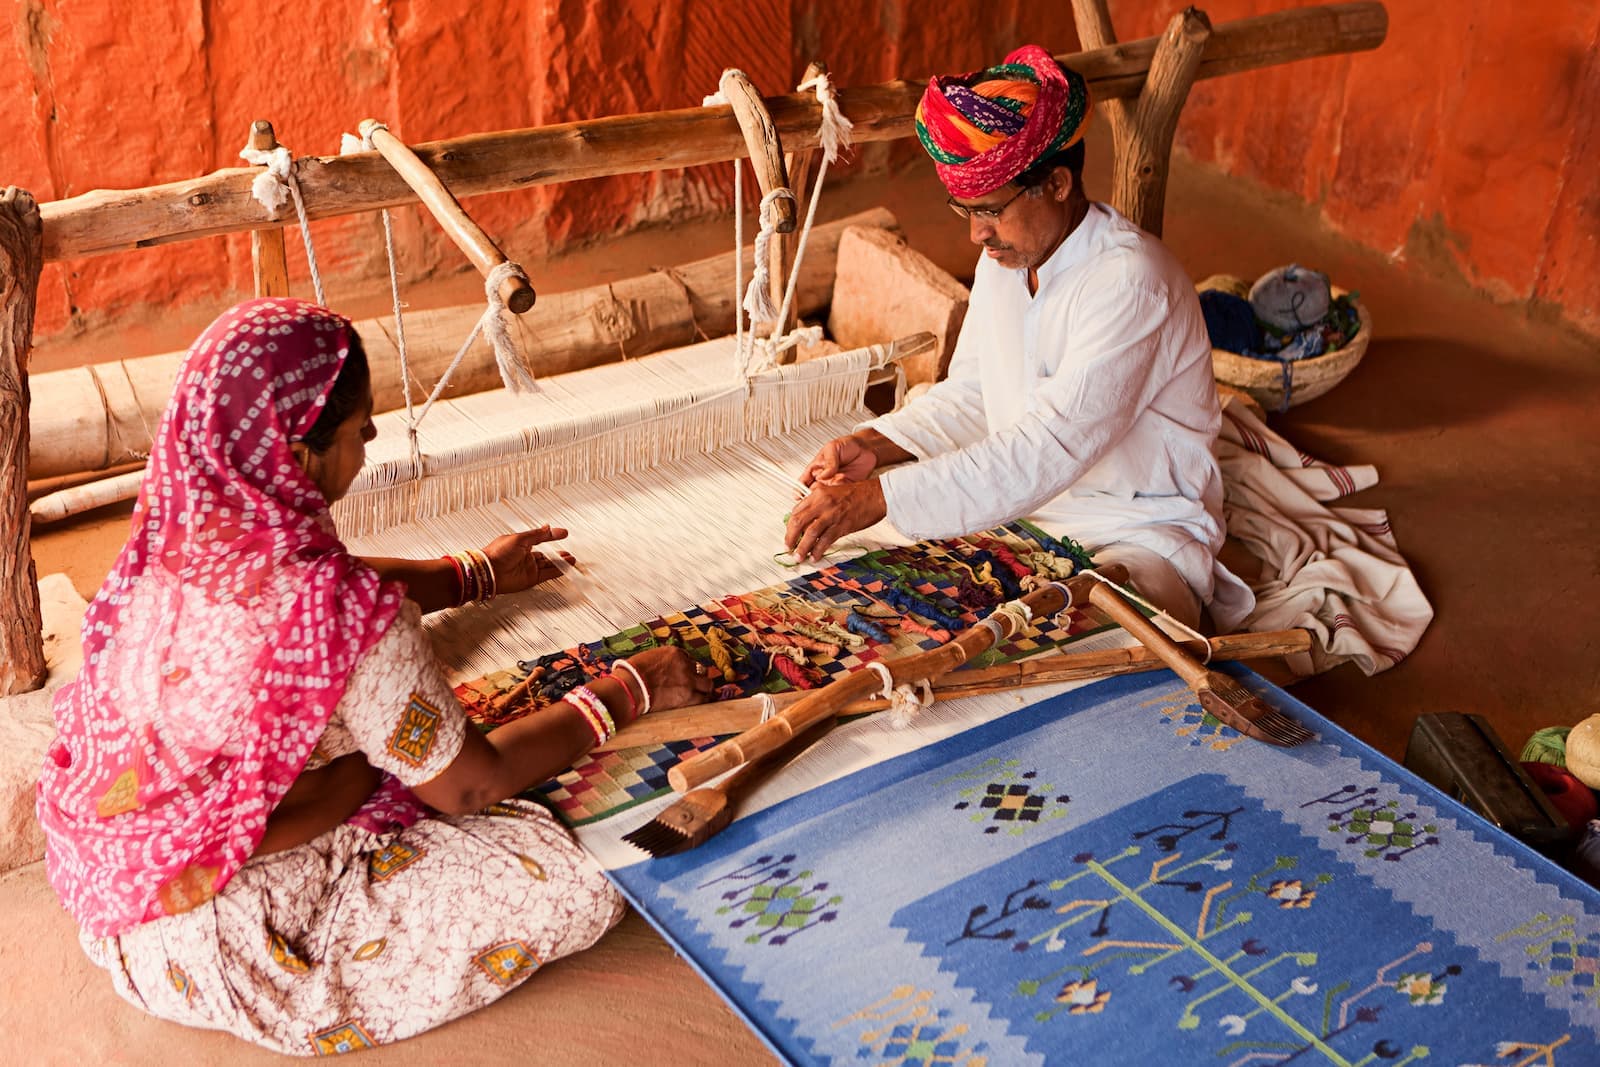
(1467, 144)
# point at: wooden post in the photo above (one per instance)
(761, 141)
(468, 236)
(798, 164)
(766, 159)
(1095, 31)
(1143, 157)
(22, 665)
(268, 260)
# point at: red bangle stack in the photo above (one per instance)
(633, 705)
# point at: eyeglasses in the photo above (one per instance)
(986, 214)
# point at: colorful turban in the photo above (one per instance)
(984, 129)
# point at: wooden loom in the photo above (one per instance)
(644, 565)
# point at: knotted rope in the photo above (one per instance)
(514, 371)
(270, 188)
(905, 703)
(754, 354)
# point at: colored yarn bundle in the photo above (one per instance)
(1548, 745)
(985, 128)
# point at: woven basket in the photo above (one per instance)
(1309, 378)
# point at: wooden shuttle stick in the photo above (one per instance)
(734, 716)
(827, 702)
(479, 248)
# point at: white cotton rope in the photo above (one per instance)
(758, 296)
(347, 145)
(833, 135)
(1066, 608)
(514, 370)
(269, 186)
(769, 707)
(1014, 614)
(905, 703)
(1160, 612)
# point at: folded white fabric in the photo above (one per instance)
(1334, 571)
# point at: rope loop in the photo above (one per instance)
(270, 187)
(905, 702)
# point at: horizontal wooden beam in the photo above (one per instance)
(105, 221)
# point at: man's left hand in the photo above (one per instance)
(830, 512)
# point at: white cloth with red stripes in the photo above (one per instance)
(1334, 571)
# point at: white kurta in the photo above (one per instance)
(1088, 408)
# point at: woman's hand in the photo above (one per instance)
(672, 676)
(519, 565)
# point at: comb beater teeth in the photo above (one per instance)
(656, 838)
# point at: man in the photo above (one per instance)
(1080, 393)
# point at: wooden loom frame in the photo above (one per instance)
(1142, 85)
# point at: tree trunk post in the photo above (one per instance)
(268, 260)
(1139, 176)
(22, 665)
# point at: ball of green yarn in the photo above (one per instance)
(1547, 746)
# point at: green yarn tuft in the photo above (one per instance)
(1548, 745)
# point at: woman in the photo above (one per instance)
(234, 805)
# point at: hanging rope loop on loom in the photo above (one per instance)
(753, 355)
(905, 703)
(272, 187)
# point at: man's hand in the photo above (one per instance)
(518, 563)
(844, 459)
(830, 512)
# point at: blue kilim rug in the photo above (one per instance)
(1106, 878)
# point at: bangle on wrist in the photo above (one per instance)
(461, 579)
(594, 712)
(644, 690)
(627, 691)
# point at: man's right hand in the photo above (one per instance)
(844, 459)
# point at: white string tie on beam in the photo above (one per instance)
(905, 702)
(1158, 612)
(275, 185)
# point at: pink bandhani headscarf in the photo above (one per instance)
(221, 643)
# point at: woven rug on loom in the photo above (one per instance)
(1107, 877)
(928, 589)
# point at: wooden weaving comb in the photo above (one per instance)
(1221, 696)
(703, 813)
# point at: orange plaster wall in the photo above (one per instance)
(1468, 143)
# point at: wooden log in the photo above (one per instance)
(103, 415)
(1143, 155)
(735, 716)
(269, 261)
(105, 221)
(22, 663)
(65, 503)
(819, 705)
(468, 236)
(883, 288)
